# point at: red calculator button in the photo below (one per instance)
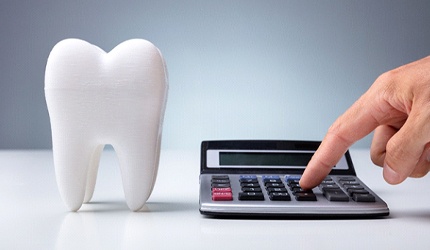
(221, 190)
(222, 196)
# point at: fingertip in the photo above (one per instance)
(309, 180)
(391, 176)
(305, 184)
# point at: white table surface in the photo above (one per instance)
(32, 214)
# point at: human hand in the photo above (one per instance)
(397, 107)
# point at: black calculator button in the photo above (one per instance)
(346, 179)
(352, 191)
(272, 181)
(276, 190)
(248, 180)
(324, 187)
(305, 196)
(349, 183)
(347, 187)
(300, 190)
(293, 182)
(329, 182)
(274, 185)
(336, 195)
(220, 181)
(254, 196)
(292, 178)
(293, 186)
(251, 189)
(249, 184)
(220, 177)
(280, 197)
(363, 198)
(220, 185)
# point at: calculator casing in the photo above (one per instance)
(266, 208)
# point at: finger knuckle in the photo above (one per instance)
(387, 79)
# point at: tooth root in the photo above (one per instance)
(71, 162)
(138, 160)
(137, 173)
(92, 173)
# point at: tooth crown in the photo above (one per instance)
(96, 98)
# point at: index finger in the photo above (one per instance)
(357, 122)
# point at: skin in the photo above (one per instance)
(397, 108)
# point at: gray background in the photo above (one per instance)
(238, 69)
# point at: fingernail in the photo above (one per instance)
(390, 175)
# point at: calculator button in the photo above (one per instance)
(346, 179)
(220, 181)
(248, 177)
(222, 196)
(221, 190)
(336, 195)
(272, 181)
(347, 187)
(274, 185)
(328, 182)
(280, 197)
(352, 191)
(255, 196)
(291, 178)
(300, 190)
(220, 185)
(294, 185)
(328, 186)
(349, 183)
(270, 177)
(249, 184)
(305, 196)
(293, 182)
(251, 189)
(276, 190)
(248, 180)
(363, 198)
(220, 177)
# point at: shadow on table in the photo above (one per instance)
(169, 207)
(121, 206)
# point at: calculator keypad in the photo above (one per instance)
(355, 190)
(253, 188)
(276, 189)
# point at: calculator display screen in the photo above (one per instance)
(261, 156)
(264, 159)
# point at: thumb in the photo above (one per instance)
(405, 148)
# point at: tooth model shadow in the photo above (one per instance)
(96, 98)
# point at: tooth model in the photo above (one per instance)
(96, 98)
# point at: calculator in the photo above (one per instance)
(261, 178)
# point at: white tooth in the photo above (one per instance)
(96, 98)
